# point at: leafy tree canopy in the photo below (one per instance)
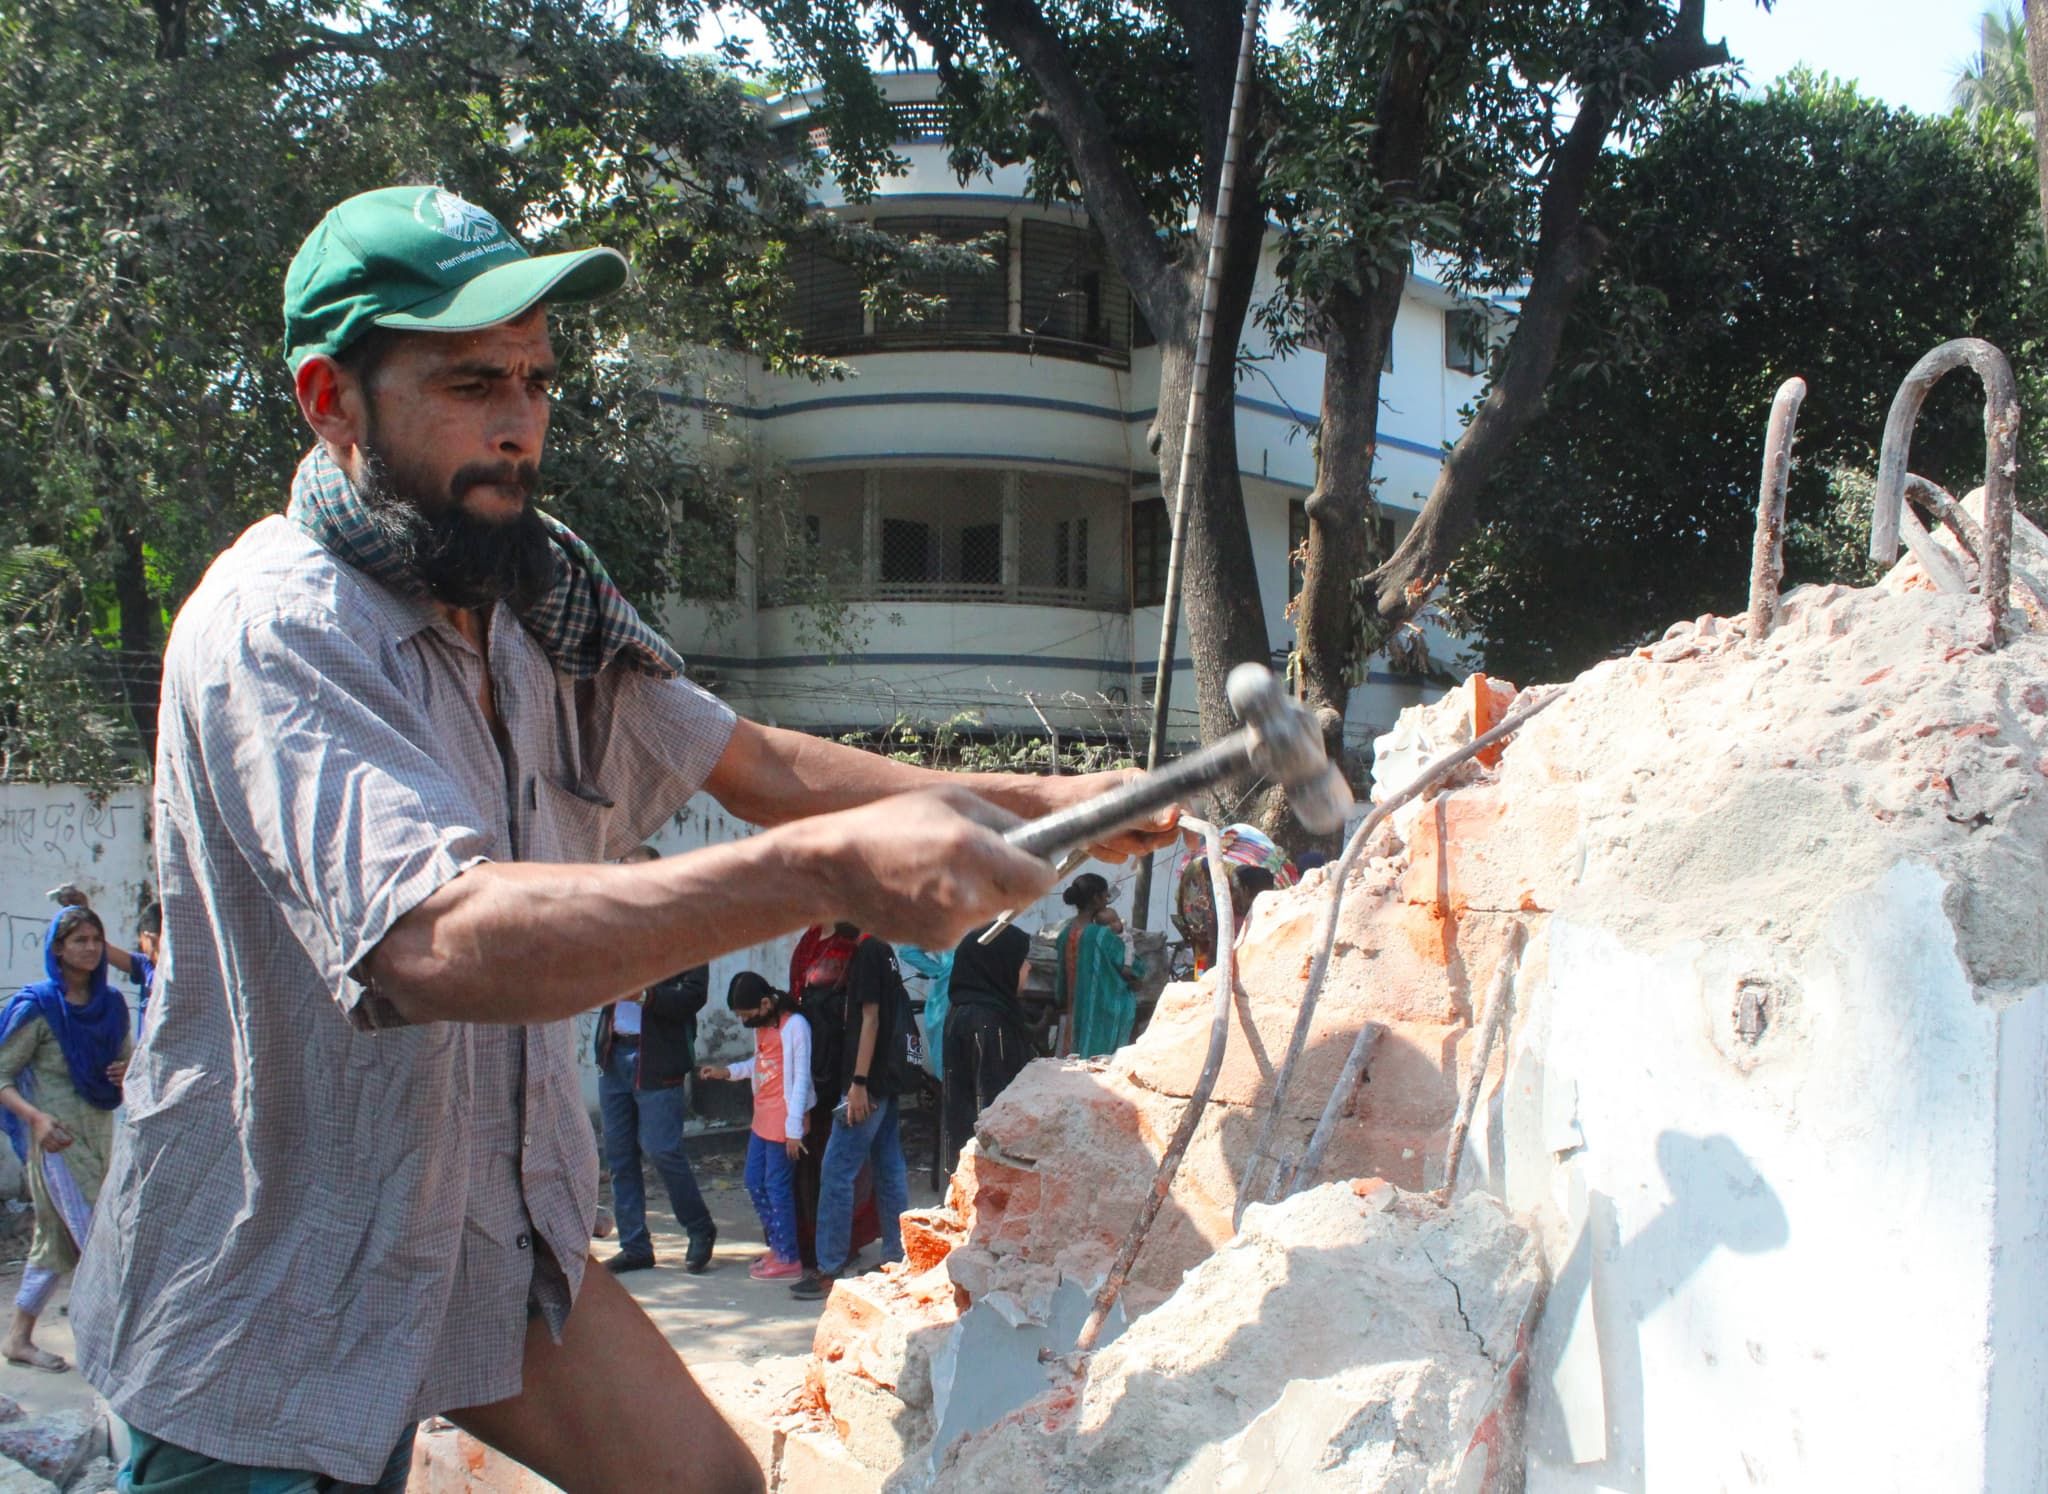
(159, 164)
(1809, 231)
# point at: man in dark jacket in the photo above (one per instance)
(646, 1048)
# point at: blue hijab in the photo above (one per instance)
(91, 1035)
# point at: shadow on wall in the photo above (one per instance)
(1590, 1348)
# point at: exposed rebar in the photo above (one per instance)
(2001, 465)
(1326, 934)
(1291, 1180)
(1767, 555)
(1492, 1017)
(1198, 1100)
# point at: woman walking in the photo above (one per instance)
(64, 1048)
(987, 1040)
(1093, 985)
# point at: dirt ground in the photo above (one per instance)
(721, 1316)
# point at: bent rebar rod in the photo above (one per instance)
(1969, 534)
(1493, 1017)
(1767, 554)
(1198, 1101)
(1326, 934)
(2001, 464)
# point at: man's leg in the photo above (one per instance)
(622, 1155)
(960, 1106)
(661, 1137)
(612, 1408)
(844, 1153)
(892, 1180)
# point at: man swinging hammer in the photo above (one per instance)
(403, 727)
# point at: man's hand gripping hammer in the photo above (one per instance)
(1279, 740)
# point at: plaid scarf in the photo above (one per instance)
(583, 622)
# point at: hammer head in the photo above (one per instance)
(1288, 746)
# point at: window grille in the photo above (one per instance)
(828, 306)
(975, 300)
(1070, 294)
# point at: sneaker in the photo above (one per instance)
(813, 1286)
(769, 1268)
(619, 1265)
(701, 1247)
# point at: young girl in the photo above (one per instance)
(63, 1052)
(781, 1073)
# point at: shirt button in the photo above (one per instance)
(521, 1242)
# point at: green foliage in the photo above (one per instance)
(1810, 232)
(1996, 79)
(60, 697)
(160, 163)
(963, 743)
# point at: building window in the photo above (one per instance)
(1069, 293)
(907, 551)
(975, 300)
(1070, 553)
(828, 307)
(1151, 550)
(981, 554)
(1465, 341)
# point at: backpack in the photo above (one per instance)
(899, 1065)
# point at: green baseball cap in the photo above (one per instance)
(422, 258)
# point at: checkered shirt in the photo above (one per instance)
(321, 1224)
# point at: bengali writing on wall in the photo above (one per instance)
(51, 834)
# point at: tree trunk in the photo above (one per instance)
(1342, 545)
(141, 671)
(2037, 73)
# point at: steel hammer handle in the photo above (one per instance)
(1085, 823)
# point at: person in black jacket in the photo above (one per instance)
(646, 1048)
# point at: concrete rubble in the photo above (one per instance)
(1775, 1047)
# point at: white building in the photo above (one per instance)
(980, 487)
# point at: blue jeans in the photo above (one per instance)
(850, 1146)
(771, 1185)
(646, 1122)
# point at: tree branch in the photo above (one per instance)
(1568, 250)
(1021, 28)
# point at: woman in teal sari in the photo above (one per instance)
(1090, 980)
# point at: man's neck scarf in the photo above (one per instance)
(583, 622)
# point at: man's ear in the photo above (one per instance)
(333, 401)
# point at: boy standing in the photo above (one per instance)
(864, 1128)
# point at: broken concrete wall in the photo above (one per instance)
(1350, 1338)
(1772, 1090)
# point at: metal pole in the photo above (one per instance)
(1205, 337)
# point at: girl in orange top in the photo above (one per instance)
(781, 1073)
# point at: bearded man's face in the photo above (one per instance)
(450, 459)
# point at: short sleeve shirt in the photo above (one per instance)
(321, 1224)
(871, 973)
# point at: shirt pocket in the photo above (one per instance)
(568, 824)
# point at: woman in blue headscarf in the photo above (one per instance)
(64, 1048)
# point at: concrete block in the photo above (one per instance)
(54, 1446)
(818, 1463)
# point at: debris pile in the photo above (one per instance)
(1775, 1045)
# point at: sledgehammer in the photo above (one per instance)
(1279, 740)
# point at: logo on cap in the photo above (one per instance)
(462, 221)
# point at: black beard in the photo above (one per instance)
(758, 1021)
(464, 561)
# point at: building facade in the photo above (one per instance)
(976, 496)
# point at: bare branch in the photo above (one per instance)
(1114, 202)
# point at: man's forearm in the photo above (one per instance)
(864, 1050)
(769, 777)
(508, 942)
